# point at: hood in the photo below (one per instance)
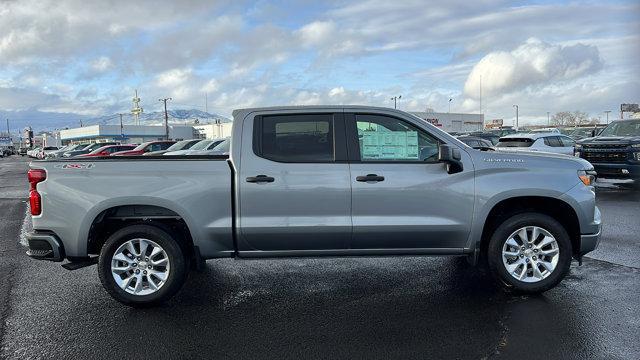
(153, 153)
(531, 159)
(611, 139)
(177, 152)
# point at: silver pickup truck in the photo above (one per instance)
(314, 181)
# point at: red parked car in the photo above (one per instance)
(109, 149)
(146, 147)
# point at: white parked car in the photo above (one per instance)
(544, 142)
(200, 146)
(47, 150)
(546, 130)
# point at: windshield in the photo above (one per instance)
(201, 145)
(622, 128)
(223, 147)
(182, 145)
(515, 142)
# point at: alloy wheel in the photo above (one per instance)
(140, 266)
(530, 254)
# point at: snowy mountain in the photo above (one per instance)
(48, 121)
(155, 118)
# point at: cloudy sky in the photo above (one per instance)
(63, 59)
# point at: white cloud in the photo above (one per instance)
(534, 62)
(101, 64)
(317, 33)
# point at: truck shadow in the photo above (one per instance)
(378, 307)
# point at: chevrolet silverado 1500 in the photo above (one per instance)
(314, 181)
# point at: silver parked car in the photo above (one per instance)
(544, 142)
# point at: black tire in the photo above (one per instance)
(174, 281)
(500, 236)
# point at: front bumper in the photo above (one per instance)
(617, 171)
(45, 246)
(589, 242)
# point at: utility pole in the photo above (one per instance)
(395, 101)
(516, 106)
(548, 119)
(166, 117)
(607, 112)
(80, 123)
(8, 131)
(450, 104)
(121, 127)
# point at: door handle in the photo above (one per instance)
(370, 177)
(260, 179)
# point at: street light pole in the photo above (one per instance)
(516, 106)
(450, 104)
(395, 101)
(607, 112)
(166, 117)
(548, 119)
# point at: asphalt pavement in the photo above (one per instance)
(373, 308)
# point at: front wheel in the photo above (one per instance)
(530, 253)
(141, 265)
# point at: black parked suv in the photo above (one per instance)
(615, 152)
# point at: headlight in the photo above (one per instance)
(635, 145)
(588, 177)
(576, 154)
(578, 146)
(636, 156)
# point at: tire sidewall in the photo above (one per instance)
(500, 236)
(177, 272)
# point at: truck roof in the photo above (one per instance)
(237, 112)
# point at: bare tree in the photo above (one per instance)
(568, 118)
(562, 118)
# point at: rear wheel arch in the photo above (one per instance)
(114, 218)
(558, 209)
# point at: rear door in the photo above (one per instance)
(294, 185)
(402, 197)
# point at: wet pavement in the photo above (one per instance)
(384, 307)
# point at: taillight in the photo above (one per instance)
(35, 176)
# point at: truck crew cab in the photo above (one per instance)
(314, 181)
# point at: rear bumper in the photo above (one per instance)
(45, 246)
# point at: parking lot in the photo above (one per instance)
(385, 307)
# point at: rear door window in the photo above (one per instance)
(553, 141)
(295, 138)
(567, 141)
(515, 142)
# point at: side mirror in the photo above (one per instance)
(451, 156)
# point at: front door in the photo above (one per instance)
(295, 192)
(403, 198)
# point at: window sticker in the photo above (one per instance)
(389, 145)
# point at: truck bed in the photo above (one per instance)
(76, 191)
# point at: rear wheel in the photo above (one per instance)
(530, 253)
(141, 265)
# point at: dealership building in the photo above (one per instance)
(126, 134)
(453, 122)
